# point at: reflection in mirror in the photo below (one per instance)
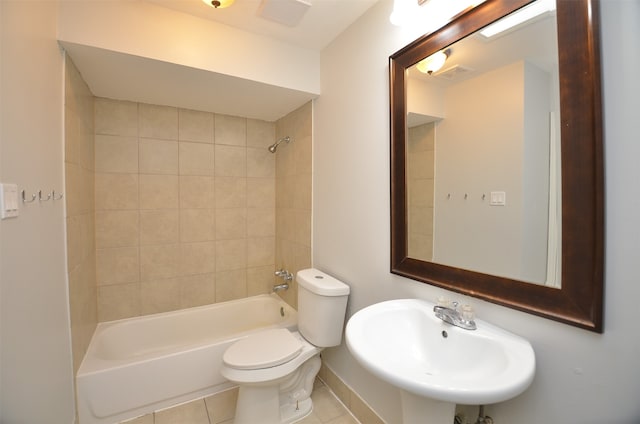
(521, 181)
(483, 146)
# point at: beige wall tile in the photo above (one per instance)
(230, 223)
(198, 290)
(230, 161)
(260, 280)
(74, 193)
(363, 412)
(159, 191)
(196, 192)
(302, 227)
(336, 385)
(118, 301)
(230, 192)
(160, 261)
(231, 285)
(116, 154)
(197, 258)
(230, 130)
(117, 265)
(302, 153)
(73, 129)
(116, 229)
(79, 192)
(327, 407)
(260, 251)
(195, 126)
(222, 406)
(302, 192)
(83, 307)
(159, 296)
(261, 192)
(192, 200)
(116, 117)
(260, 134)
(158, 121)
(79, 189)
(158, 156)
(116, 191)
(261, 222)
(145, 419)
(197, 225)
(231, 254)
(193, 413)
(260, 163)
(159, 226)
(196, 158)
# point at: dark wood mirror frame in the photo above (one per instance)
(580, 300)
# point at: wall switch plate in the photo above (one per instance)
(498, 198)
(8, 201)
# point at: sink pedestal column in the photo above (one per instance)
(423, 410)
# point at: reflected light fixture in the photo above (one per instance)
(218, 4)
(434, 62)
(523, 15)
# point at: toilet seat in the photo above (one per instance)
(266, 349)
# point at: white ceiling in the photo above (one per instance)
(324, 20)
(126, 77)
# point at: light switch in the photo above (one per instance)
(498, 198)
(8, 201)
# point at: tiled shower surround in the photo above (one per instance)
(185, 208)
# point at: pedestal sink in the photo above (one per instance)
(436, 364)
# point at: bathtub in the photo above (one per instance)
(139, 365)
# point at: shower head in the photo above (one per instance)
(274, 146)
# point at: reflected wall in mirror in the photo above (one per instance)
(496, 161)
(492, 110)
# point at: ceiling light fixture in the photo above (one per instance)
(218, 4)
(434, 62)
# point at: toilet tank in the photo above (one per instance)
(322, 304)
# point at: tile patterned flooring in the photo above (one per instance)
(327, 409)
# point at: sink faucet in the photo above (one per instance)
(453, 316)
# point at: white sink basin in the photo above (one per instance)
(405, 344)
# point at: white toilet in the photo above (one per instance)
(276, 368)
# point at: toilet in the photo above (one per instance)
(276, 368)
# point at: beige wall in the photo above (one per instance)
(79, 195)
(36, 384)
(185, 208)
(293, 195)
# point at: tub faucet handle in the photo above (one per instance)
(284, 274)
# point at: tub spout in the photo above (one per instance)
(280, 287)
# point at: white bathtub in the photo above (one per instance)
(139, 365)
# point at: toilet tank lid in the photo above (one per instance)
(320, 283)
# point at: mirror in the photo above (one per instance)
(492, 109)
(450, 222)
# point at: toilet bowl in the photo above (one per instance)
(275, 369)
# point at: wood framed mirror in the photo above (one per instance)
(578, 299)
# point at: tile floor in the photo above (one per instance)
(218, 409)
